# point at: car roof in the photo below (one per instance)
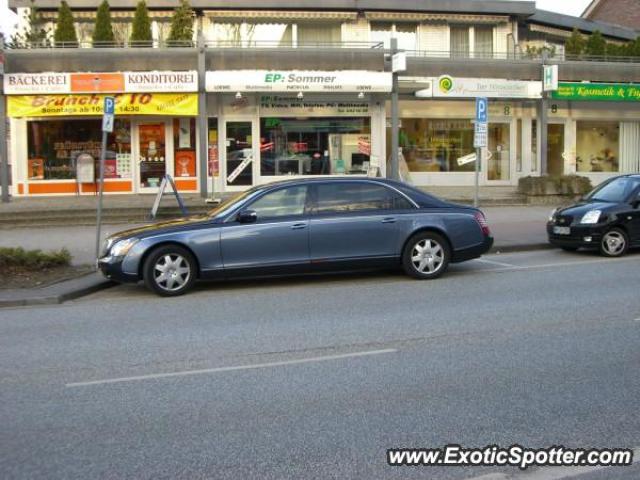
(305, 181)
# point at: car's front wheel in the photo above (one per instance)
(426, 255)
(614, 243)
(169, 270)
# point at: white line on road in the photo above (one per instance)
(493, 262)
(230, 369)
(551, 473)
(557, 264)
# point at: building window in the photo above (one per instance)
(243, 34)
(437, 145)
(483, 41)
(405, 32)
(314, 146)
(597, 146)
(318, 33)
(53, 147)
(534, 145)
(459, 41)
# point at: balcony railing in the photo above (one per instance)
(515, 54)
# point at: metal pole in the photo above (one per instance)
(476, 190)
(395, 121)
(4, 159)
(543, 121)
(103, 152)
(203, 127)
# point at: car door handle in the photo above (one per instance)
(389, 220)
(298, 226)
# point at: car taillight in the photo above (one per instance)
(479, 216)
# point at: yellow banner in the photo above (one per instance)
(173, 104)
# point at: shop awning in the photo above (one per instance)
(435, 17)
(271, 15)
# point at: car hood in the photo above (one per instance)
(579, 209)
(162, 227)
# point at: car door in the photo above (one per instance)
(278, 239)
(354, 223)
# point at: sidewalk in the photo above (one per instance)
(513, 228)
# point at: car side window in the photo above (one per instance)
(343, 197)
(281, 203)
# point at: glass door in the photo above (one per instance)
(555, 148)
(499, 152)
(152, 155)
(239, 153)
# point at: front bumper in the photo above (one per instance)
(578, 237)
(111, 267)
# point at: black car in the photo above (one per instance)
(607, 219)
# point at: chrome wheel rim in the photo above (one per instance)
(427, 256)
(171, 272)
(613, 243)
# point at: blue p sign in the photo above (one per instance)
(109, 105)
(482, 107)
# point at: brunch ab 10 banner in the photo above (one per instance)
(170, 104)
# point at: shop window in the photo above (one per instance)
(437, 145)
(54, 146)
(315, 146)
(184, 147)
(597, 146)
(519, 146)
(214, 157)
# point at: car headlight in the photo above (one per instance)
(592, 216)
(552, 215)
(121, 248)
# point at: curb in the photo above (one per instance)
(56, 299)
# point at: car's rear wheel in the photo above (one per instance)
(614, 243)
(426, 255)
(169, 271)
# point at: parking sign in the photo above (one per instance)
(107, 117)
(482, 108)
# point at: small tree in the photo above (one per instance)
(182, 23)
(65, 33)
(34, 34)
(141, 29)
(575, 44)
(103, 31)
(596, 46)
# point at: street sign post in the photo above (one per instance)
(107, 127)
(480, 140)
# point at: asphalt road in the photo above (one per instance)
(316, 378)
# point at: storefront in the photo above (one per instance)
(593, 130)
(56, 126)
(273, 125)
(436, 131)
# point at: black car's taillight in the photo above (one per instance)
(482, 221)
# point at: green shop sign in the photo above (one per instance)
(612, 92)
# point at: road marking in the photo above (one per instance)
(557, 264)
(493, 262)
(551, 473)
(230, 369)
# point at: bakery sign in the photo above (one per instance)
(100, 82)
(350, 81)
(455, 87)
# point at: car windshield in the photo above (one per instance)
(231, 202)
(615, 191)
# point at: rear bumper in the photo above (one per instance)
(472, 252)
(578, 238)
(111, 267)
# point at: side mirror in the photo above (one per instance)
(247, 216)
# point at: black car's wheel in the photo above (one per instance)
(614, 243)
(569, 249)
(426, 255)
(169, 270)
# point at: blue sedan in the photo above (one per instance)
(298, 227)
